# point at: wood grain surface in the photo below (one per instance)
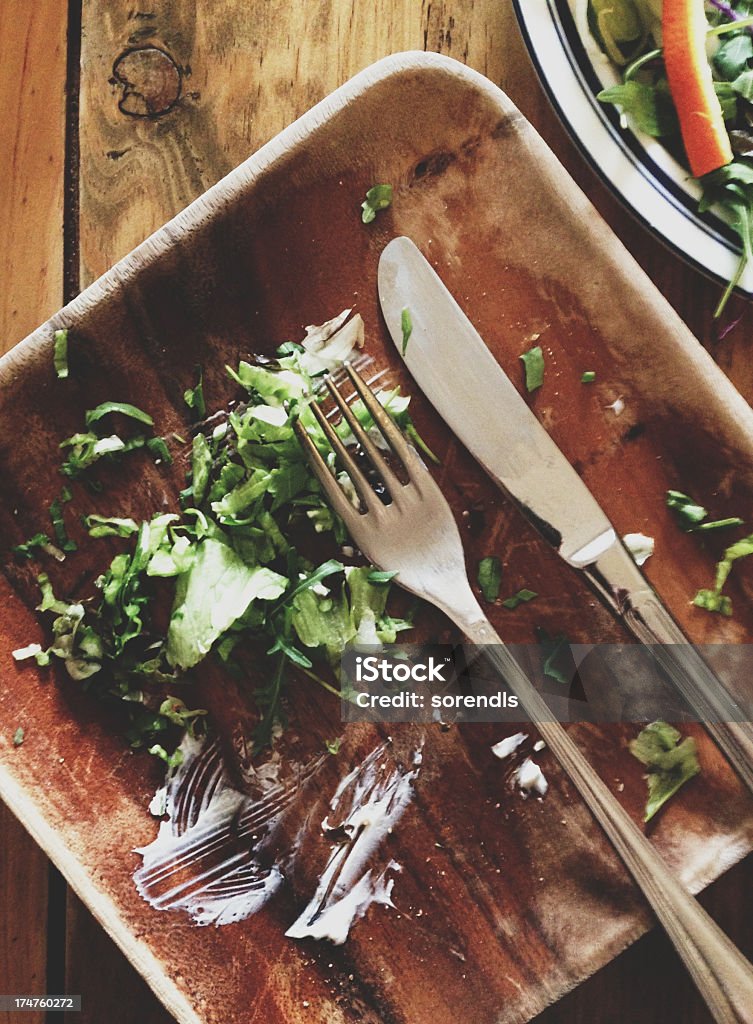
(172, 97)
(32, 154)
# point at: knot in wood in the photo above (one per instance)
(151, 81)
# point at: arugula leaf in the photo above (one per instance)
(194, 398)
(521, 597)
(60, 354)
(490, 577)
(670, 764)
(533, 361)
(124, 408)
(406, 325)
(733, 56)
(378, 198)
(648, 107)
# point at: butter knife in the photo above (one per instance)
(461, 378)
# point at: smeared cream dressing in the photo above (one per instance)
(367, 805)
(206, 857)
(220, 855)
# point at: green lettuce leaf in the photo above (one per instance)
(211, 596)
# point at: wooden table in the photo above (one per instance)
(114, 117)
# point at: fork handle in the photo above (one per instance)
(721, 973)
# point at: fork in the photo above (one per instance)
(415, 534)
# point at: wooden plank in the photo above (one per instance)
(32, 98)
(112, 992)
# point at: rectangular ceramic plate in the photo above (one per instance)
(503, 904)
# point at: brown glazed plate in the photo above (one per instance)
(502, 904)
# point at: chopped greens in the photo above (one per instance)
(58, 525)
(377, 198)
(86, 448)
(588, 377)
(521, 597)
(110, 526)
(60, 354)
(669, 762)
(228, 563)
(28, 548)
(713, 600)
(406, 325)
(333, 746)
(555, 651)
(18, 736)
(691, 516)
(533, 362)
(194, 398)
(124, 408)
(490, 577)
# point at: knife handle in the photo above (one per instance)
(623, 587)
(721, 973)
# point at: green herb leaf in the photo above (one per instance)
(124, 408)
(60, 354)
(381, 576)
(58, 525)
(406, 324)
(588, 377)
(521, 597)
(648, 107)
(490, 577)
(171, 760)
(733, 56)
(689, 512)
(194, 398)
(670, 764)
(18, 737)
(109, 526)
(157, 446)
(28, 548)
(713, 600)
(377, 198)
(533, 361)
(333, 746)
(556, 654)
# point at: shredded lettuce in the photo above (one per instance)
(228, 558)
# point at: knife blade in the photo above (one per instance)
(466, 385)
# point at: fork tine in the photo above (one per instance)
(325, 476)
(390, 431)
(380, 463)
(354, 471)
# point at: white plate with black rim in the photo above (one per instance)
(637, 168)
